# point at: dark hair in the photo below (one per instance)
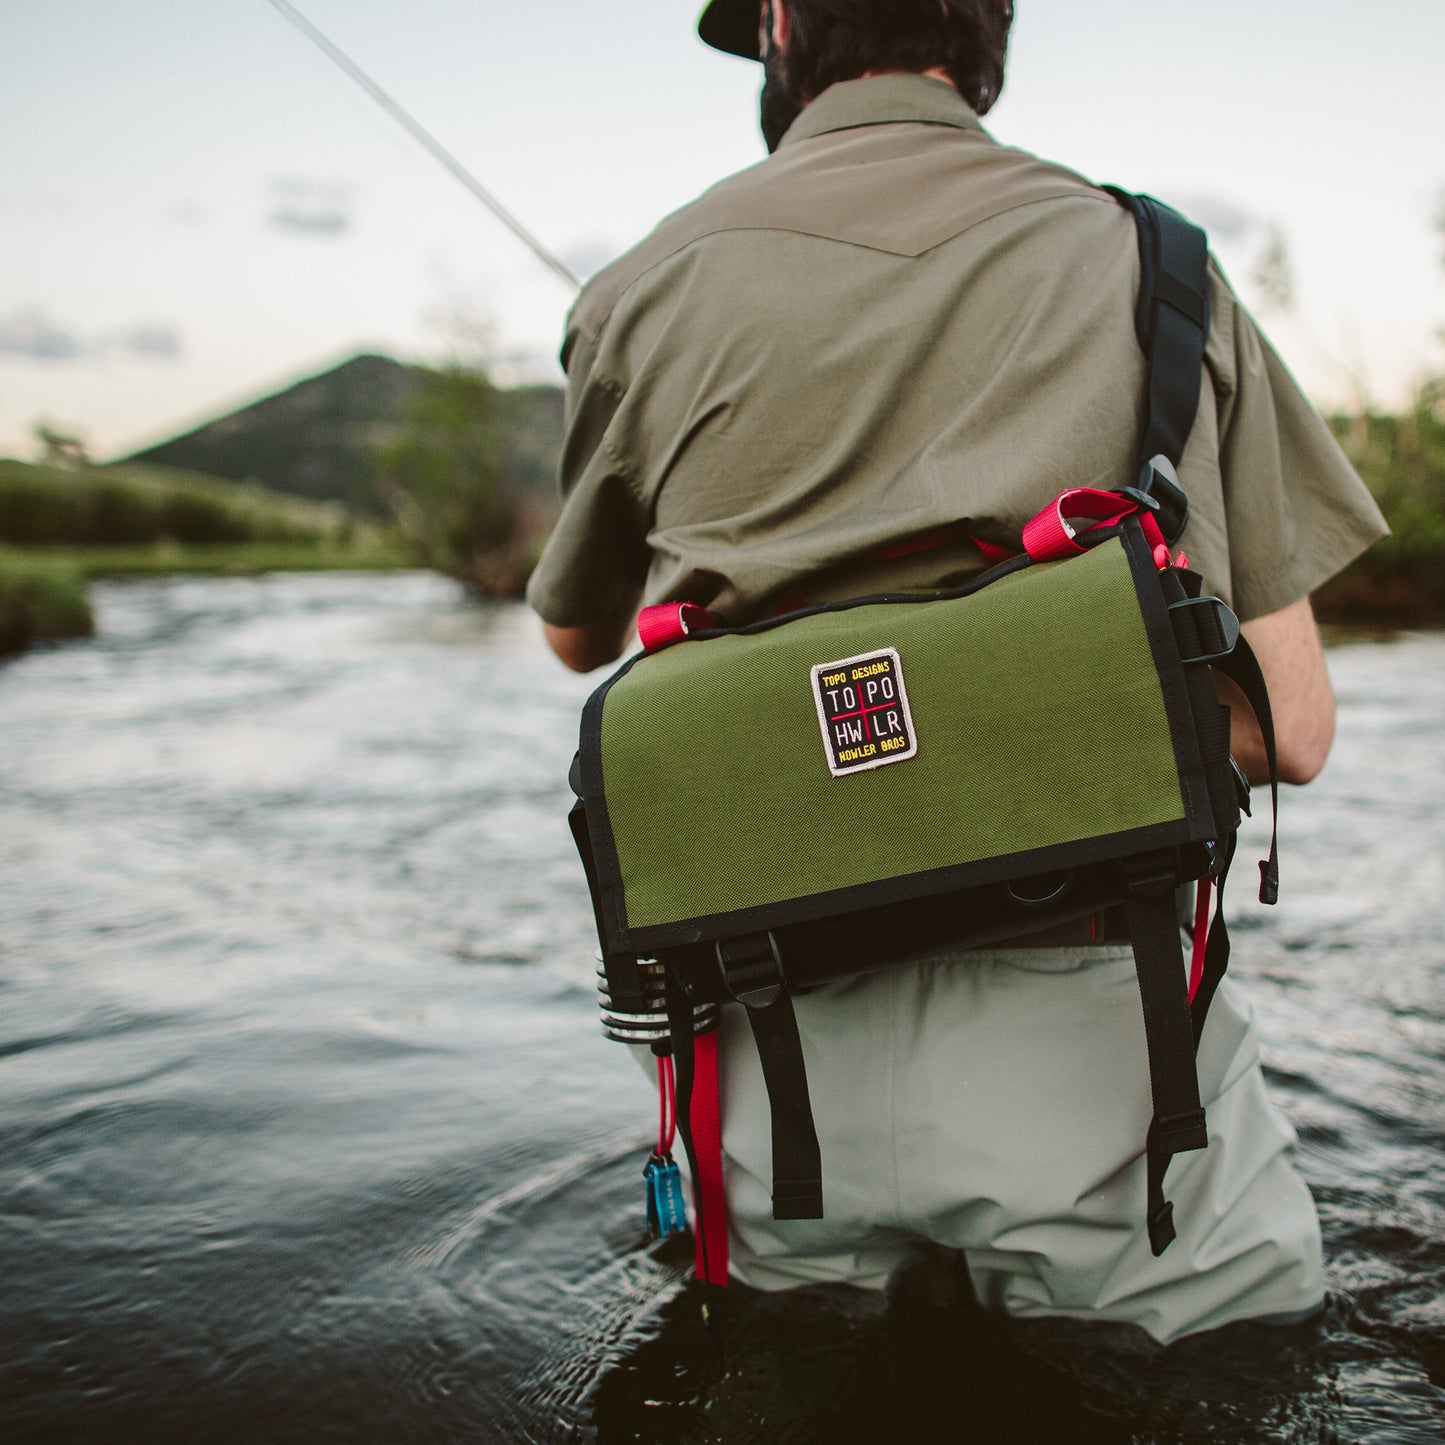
(833, 40)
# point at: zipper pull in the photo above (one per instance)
(666, 1208)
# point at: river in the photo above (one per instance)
(308, 1132)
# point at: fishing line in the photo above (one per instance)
(419, 132)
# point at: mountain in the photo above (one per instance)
(317, 438)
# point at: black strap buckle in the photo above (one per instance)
(1159, 484)
(1149, 874)
(1161, 1228)
(752, 969)
(1241, 788)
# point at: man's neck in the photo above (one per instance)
(935, 72)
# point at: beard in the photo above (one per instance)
(778, 108)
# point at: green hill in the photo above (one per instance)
(320, 437)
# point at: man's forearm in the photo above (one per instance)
(589, 646)
(1292, 659)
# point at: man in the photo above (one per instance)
(891, 325)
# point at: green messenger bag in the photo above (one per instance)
(763, 808)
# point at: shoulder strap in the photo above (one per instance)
(1172, 323)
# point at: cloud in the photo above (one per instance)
(315, 208)
(33, 334)
(586, 258)
(148, 339)
(1223, 219)
(185, 213)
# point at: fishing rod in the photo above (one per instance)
(419, 133)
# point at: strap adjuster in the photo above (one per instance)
(1181, 1133)
(1205, 628)
(752, 968)
(1151, 873)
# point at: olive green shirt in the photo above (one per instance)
(891, 324)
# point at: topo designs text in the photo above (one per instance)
(863, 710)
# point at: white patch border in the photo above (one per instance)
(820, 668)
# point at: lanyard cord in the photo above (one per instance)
(666, 1106)
(1201, 934)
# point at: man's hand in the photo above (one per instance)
(587, 647)
(1292, 659)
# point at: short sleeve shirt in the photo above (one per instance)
(891, 325)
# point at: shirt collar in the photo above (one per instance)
(881, 100)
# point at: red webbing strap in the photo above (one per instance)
(670, 622)
(926, 541)
(789, 600)
(709, 1202)
(993, 554)
(936, 537)
(1201, 934)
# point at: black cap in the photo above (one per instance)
(732, 26)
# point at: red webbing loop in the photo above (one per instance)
(709, 1202)
(1048, 536)
(670, 622)
(666, 1105)
(1201, 934)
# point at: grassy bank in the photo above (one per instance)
(367, 552)
(62, 526)
(130, 505)
(42, 599)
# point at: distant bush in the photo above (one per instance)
(40, 601)
(1401, 580)
(448, 484)
(128, 505)
(1402, 459)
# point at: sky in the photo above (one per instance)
(199, 208)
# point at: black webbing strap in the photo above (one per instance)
(680, 1026)
(1241, 666)
(797, 1162)
(1173, 322)
(1178, 1123)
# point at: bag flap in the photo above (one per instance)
(749, 778)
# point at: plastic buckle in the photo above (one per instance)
(1226, 627)
(1139, 498)
(1160, 482)
(752, 969)
(1161, 1229)
(1241, 787)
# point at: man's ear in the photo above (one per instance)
(782, 23)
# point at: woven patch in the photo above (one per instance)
(863, 711)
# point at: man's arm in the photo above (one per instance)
(1292, 659)
(587, 647)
